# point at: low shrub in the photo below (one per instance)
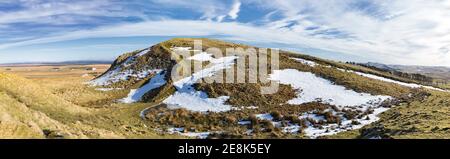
(276, 115)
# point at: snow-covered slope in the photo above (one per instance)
(149, 70)
(133, 67)
(121, 73)
(306, 62)
(312, 88)
(189, 98)
(136, 95)
(315, 89)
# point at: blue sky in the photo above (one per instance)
(411, 32)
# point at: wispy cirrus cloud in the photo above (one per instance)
(409, 31)
(34, 11)
(400, 32)
(212, 10)
(232, 30)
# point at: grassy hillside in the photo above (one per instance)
(57, 104)
(24, 103)
(38, 109)
(425, 118)
(246, 94)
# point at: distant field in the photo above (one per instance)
(55, 71)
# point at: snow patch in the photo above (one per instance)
(306, 62)
(313, 131)
(120, 73)
(135, 95)
(242, 108)
(180, 131)
(198, 135)
(107, 89)
(345, 125)
(143, 52)
(244, 122)
(312, 88)
(187, 97)
(108, 78)
(197, 101)
(174, 130)
(181, 48)
(203, 56)
(117, 75)
(266, 116)
(218, 65)
(311, 116)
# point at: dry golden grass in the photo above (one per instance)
(45, 102)
(61, 105)
(426, 118)
(36, 96)
(54, 71)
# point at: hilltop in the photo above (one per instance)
(316, 97)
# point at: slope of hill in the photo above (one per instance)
(316, 97)
(39, 102)
(138, 98)
(29, 111)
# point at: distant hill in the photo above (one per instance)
(380, 66)
(437, 72)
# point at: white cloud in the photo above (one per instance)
(400, 32)
(217, 10)
(235, 9)
(210, 10)
(35, 11)
(404, 31)
(235, 31)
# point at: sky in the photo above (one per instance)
(407, 32)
